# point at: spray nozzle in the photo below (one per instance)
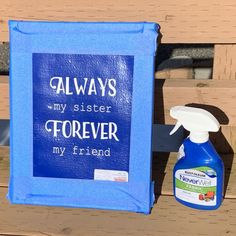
(198, 121)
(177, 125)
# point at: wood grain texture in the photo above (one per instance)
(176, 73)
(225, 140)
(181, 21)
(167, 216)
(168, 93)
(4, 166)
(4, 97)
(216, 96)
(163, 164)
(224, 62)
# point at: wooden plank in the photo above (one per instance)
(225, 140)
(163, 164)
(175, 73)
(4, 166)
(4, 97)
(181, 21)
(225, 62)
(38, 220)
(217, 96)
(168, 93)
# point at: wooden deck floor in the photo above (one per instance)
(167, 218)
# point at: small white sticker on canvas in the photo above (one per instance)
(111, 175)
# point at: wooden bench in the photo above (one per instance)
(181, 21)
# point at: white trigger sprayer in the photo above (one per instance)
(197, 121)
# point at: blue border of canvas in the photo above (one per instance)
(138, 39)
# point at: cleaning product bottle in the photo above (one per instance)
(198, 176)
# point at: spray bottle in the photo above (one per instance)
(198, 176)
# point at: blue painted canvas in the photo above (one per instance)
(81, 114)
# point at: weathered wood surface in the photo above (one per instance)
(167, 215)
(181, 21)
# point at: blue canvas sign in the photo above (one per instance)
(82, 111)
(81, 114)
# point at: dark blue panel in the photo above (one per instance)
(81, 114)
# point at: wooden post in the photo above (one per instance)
(224, 62)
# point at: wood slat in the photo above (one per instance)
(167, 218)
(163, 164)
(4, 97)
(214, 95)
(175, 73)
(225, 140)
(181, 21)
(4, 166)
(225, 62)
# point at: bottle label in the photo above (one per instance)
(196, 185)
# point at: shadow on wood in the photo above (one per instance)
(215, 111)
(218, 139)
(159, 171)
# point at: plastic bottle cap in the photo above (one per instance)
(199, 137)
